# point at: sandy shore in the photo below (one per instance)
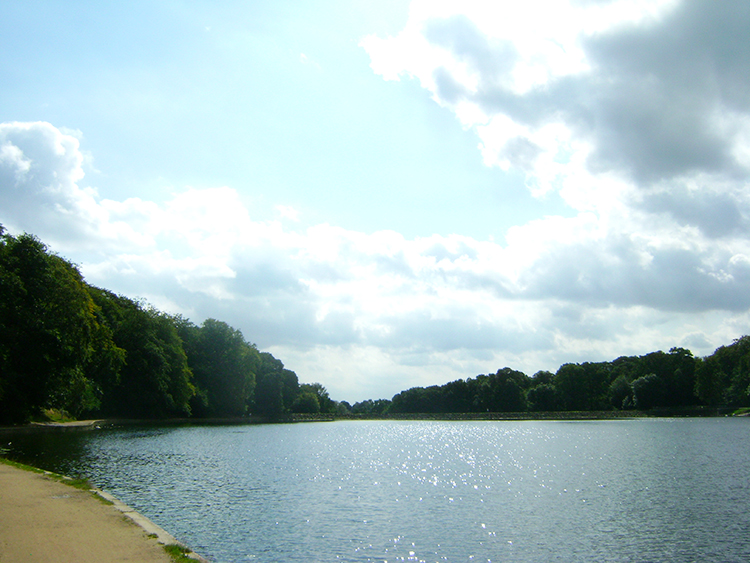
(43, 520)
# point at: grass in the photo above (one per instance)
(23, 466)
(179, 553)
(56, 415)
(80, 483)
(101, 499)
(76, 482)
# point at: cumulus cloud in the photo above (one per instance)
(40, 170)
(635, 113)
(646, 90)
(654, 254)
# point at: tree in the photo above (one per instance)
(583, 387)
(223, 365)
(343, 407)
(269, 398)
(737, 393)
(724, 376)
(710, 381)
(571, 387)
(418, 400)
(457, 396)
(649, 391)
(676, 371)
(155, 381)
(306, 402)
(542, 377)
(327, 405)
(681, 377)
(621, 393)
(76, 348)
(542, 398)
(276, 388)
(369, 406)
(508, 390)
(51, 342)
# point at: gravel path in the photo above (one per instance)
(43, 520)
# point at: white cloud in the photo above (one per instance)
(13, 162)
(580, 95)
(653, 254)
(46, 167)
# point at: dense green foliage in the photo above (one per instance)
(223, 364)
(369, 406)
(82, 350)
(54, 348)
(154, 380)
(656, 380)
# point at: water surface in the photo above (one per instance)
(522, 491)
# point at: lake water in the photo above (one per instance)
(519, 491)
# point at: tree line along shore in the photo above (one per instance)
(70, 350)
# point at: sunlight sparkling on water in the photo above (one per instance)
(638, 490)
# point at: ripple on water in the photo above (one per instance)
(638, 490)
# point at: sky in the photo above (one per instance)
(388, 194)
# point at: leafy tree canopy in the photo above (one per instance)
(80, 349)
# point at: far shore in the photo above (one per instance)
(94, 424)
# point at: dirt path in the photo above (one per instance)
(43, 520)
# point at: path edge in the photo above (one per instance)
(151, 529)
(162, 537)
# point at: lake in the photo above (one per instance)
(632, 490)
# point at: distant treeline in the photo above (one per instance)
(76, 350)
(657, 380)
(72, 349)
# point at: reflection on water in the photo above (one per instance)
(527, 491)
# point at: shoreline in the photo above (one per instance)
(96, 424)
(686, 412)
(151, 531)
(67, 519)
